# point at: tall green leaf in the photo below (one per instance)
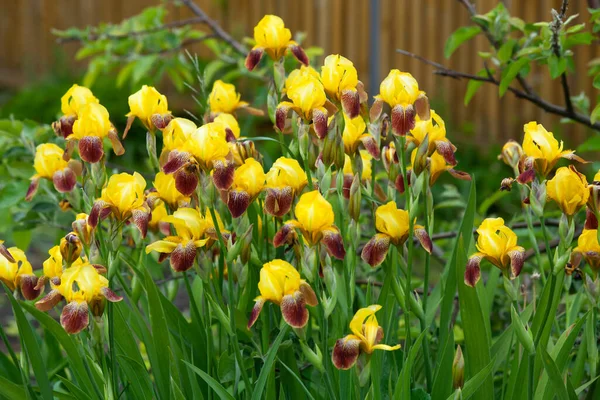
(266, 369)
(458, 37)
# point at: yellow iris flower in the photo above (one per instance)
(71, 104)
(366, 337)
(248, 182)
(284, 181)
(496, 243)
(568, 189)
(280, 283)
(50, 164)
(224, 98)
(151, 107)
(16, 272)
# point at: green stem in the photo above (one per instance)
(546, 241)
(426, 352)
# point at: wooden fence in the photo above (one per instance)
(28, 48)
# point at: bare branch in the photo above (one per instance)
(532, 98)
(216, 28)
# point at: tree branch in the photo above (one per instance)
(532, 98)
(215, 27)
(555, 26)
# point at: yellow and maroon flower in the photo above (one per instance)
(355, 134)
(280, 283)
(206, 150)
(588, 248)
(248, 182)
(224, 98)
(340, 80)
(82, 228)
(496, 243)
(568, 189)
(93, 125)
(123, 198)
(275, 39)
(191, 234)
(401, 92)
(71, 104)
(392, 225)
(366, 337)
(308, 99)
(285, 180)
(315, 220)
(16, 272)
(151, 107)
(165, 189)
(84, 290)
(436, 164)
(49, 164)
(434, 129)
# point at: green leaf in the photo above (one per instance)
(577, 39)
(556, 379)
(402, 391)
(31, 347)
(523, 334)
(510, 73)
(595, 115)
(266, 369)
(473, 86)
(460, 36)
(475, 382)
(216, 386)
(557, 66)
(506, 50)
(13, 193)
(74, 389)
(11, 390)
(138, 377)
(142, 67)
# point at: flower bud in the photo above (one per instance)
(537, 198)
(511, 153)
(458, 369)
(506, 184)
(355, 197)
(70, 247)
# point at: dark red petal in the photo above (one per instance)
(335, 244)
(97, 212)
(422, 107)
(285, 235)
(176, 160)
(345, 353)
(472, 271)
(110, 295)
(309, 294)
(238, 202)
(299, 53)
(49, 301)
(141, 218)
(526, 177)
(399, 183)
(376, 110)
(223, 174)
(446, 149)
(293, 310)
(28, 285)
(75, 317)
(424, 239)
(161, 121)
(375, 250)
(281, 114)
(403, 119)
(591, 222)
(371, 146)
(90, 149)
(459, 174)
(229, 136)
(100, 268)
(182, 258)
(253, 58)
(517, 259)
(163, 256)
(64, 180)
(258, 306)
(346, 185)
(350, 103)
(279, 201)
(33, 187)
(64, 126)
(320, 122)
(186, 179)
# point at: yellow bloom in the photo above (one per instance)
(392, 225)
(232, 128)
(273, 37)
(436, 164)
(49, 164)
(53, 266)
(315, 220)
(177, 133)
(545, 151)
(280, 283)
(497, 243)
(145, 103)
(123, 197)
(588, 247)
(401, 91)
(84, 289)
(248, 182)
(435, 130)
(511, 153)
(166, 190)
(208, 144)
(308, 99)
(365, 337)
(82, 228)
(338, 75)
(224, 98)
(366, 165)
(18, 274)
(569, 189)
(355, 134)
(157, 221)
(92, 125)
(190, 228)
(75, 99)
(284, 181)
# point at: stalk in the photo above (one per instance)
(423, 322)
